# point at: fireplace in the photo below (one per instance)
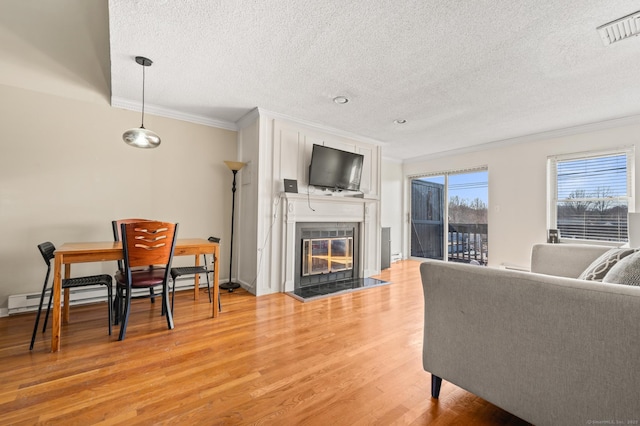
(351, 222)
(326, 252)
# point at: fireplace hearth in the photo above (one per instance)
(320, 291)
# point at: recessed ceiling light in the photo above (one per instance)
(341, 100)
(399, 121)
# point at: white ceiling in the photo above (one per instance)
(461, 73)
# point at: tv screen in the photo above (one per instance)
(334, 168)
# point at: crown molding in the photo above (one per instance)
(169, 113)
(551, 134)
(248, 118)
(257, 112)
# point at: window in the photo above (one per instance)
(449, 216)
(590, 194)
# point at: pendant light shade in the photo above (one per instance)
(140, 137)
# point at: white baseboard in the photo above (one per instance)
(20, 303)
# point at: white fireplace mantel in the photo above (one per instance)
(309, 208)
(319, 208)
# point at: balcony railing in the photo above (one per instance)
(468, 242)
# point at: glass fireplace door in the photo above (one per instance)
(326, 255)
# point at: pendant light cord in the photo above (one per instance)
(142, 125)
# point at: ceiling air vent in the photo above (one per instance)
(620, 29)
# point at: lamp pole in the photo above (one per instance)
(235, 167)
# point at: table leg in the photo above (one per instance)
(67, 295)
(196, 281)
(216, 289)
(57, 289)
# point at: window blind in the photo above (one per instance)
(591, 195)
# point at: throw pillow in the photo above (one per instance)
(599, 267)
(626, 271)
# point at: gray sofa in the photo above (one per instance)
(543, 345)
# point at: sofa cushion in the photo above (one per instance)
(626, 271)
(599, 267)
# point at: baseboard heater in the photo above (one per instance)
(20, 303)
(512, 267)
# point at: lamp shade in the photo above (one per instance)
(141, 138)
(633, 229)
(234, 165)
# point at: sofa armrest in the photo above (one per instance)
(564, 260)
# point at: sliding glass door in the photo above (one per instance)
(449, 217)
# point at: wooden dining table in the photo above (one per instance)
(104, 251)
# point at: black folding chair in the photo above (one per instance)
(194, 270)
(47, 250)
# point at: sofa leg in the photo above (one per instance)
(436, 382)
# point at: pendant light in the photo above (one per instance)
(140, 137)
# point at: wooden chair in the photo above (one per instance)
(145, 243)
(47, 250)
(117, 236)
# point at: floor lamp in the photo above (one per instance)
(235, 167)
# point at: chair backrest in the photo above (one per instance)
(116, 224)
(117, 232)
(46, 250)
(148, 243)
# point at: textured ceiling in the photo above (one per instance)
(461, 73)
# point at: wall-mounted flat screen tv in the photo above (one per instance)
(335, 169)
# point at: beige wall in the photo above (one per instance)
(65, 173)
(518, 185)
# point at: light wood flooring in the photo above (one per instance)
(352, 359)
